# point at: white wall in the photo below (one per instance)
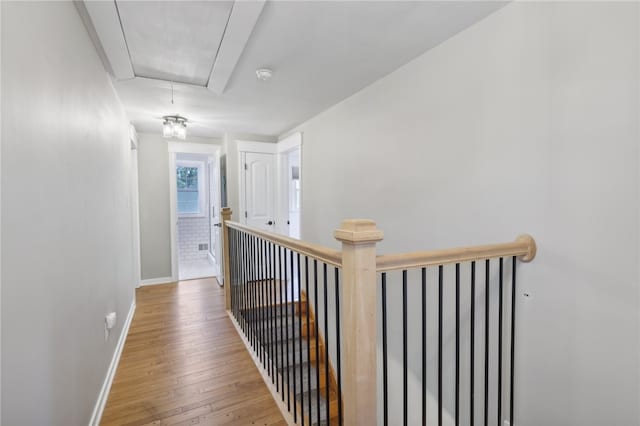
(525, 122)
(155, 230)
(66, 216)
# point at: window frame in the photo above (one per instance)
(200, 165)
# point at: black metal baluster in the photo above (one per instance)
(315, 302)
(236, 286)
(308, 308)
(513, 339)
(258, 310)
(256, 336)
(286, 329)
(499, 420)
(424, 346)
(293, 333)
(300, 340)
(267, 309)
(486, 343)
(242, 282)
(472, 343)
(405, 404)
(280, 331)
(252, 288)
(239, 281)
(238, 274)
(337, 295)
(385, 394)
(252, 296)
(440, 291)
(274, 347)
(262, 301)
(245, 298)
(326, 341)
(457, 389)
(232, 271)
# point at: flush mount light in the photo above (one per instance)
(264, 74)
(174, 126)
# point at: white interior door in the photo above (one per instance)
(260, 181)
(214, 211)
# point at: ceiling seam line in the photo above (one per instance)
(224, 32)
(124, 37)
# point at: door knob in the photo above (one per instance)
(270, 223)
(219, 225)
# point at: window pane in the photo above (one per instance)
(188, 197)
(188, 202)
(187, 178)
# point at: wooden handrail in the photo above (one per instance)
(324, 254)
(524, 247)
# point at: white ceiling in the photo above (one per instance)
(321, 52)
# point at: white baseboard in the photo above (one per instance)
(111, 372)
(154, 281)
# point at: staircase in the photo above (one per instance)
(454, 290)
(299, 359)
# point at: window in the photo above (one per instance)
(190, 184)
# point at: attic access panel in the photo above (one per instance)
(172, 40)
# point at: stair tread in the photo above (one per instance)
(303, 398)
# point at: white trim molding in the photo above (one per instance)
(290, 142)
(242, 20)
(111, 372)
(259, 147)
(156, 281)
(193, 148)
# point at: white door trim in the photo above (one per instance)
(193, 148)
(135, 208)
(286, 145)
(260, 147)
(187, 148)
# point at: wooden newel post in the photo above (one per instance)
(226, 216)
(359, 318)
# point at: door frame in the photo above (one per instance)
(182, 148)
(285, 146)
(280, 149)
(135, 207)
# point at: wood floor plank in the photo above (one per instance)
(183, 364)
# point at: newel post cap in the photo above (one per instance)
(358, 231)
(226, 213)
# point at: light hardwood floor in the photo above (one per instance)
(183, 363)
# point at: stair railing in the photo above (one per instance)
(266, 273)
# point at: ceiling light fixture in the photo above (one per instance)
(264, 74)
(174, 126)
